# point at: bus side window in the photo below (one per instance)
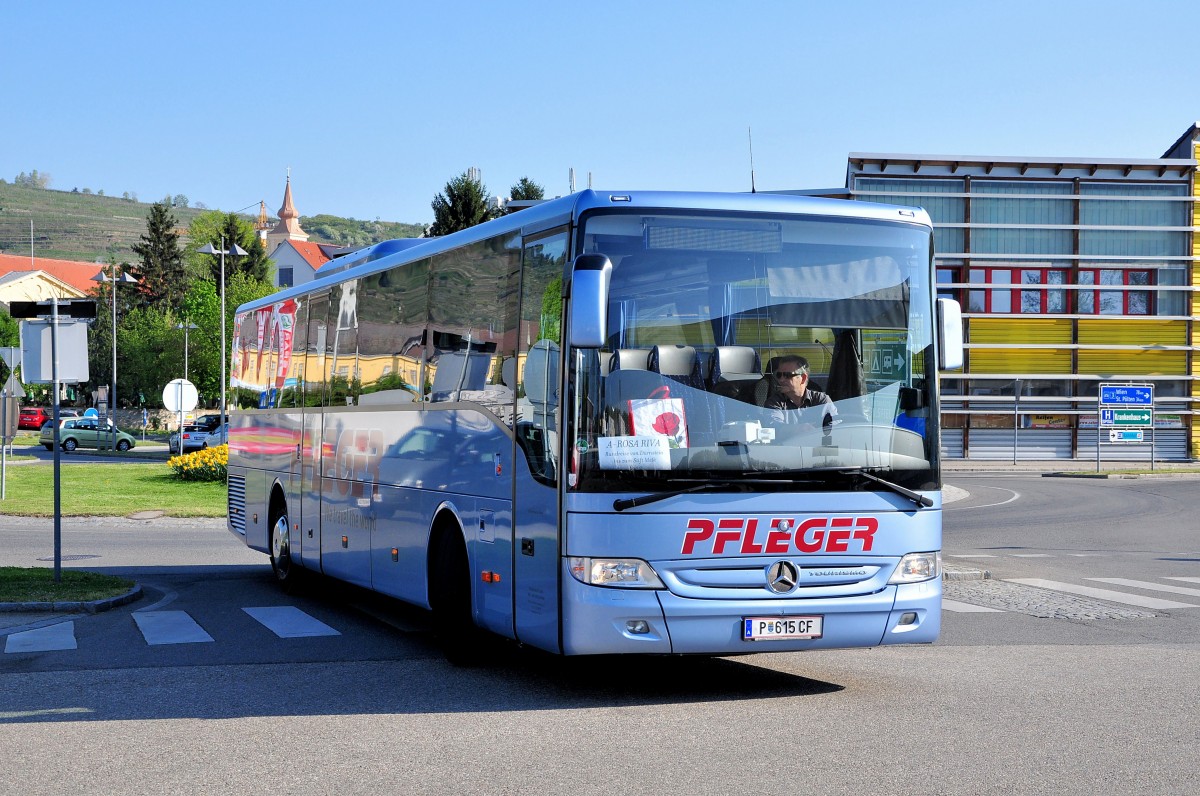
(538, 403)
(343, 377)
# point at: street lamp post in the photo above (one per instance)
(240, 252)
(114, 280)
(186, 326)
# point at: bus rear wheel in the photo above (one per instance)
(450, 596)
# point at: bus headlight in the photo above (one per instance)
(916, 567)
(626, 573)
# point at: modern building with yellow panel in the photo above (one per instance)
(1072, 273)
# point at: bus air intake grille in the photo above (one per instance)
(237, 503)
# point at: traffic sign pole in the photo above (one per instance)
(1125, 406)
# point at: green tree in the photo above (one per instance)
(526, 188)
(203, 308)
(33, 180)
(148, 355)
(213, 227)
(100, 340)
(161, 268)
(10, 330)
(462, 205)
(10, 335)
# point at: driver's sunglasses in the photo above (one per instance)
(779, 374)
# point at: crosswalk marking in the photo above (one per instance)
(1186, 580)
(59, 636)
(1141, 584)
(1102, 594)
(288, 621)
(967, 608)
(170, 627)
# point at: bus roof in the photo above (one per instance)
(389, 254)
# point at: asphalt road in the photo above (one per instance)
(1031, 689)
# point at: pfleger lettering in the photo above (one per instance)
(814, 535)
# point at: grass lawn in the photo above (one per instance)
(110, 490)
(36, 585)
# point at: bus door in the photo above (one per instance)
(537, 467)
(308, 486)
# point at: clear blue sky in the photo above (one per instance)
(375, 106)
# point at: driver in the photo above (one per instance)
(788, 391)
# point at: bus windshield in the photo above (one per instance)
(772, 349)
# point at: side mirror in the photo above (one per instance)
(950, 334)
(589, 300)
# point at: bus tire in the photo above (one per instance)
(287, 573)
(450, 597)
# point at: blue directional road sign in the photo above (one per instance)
(1126, 417)
(1126, 395)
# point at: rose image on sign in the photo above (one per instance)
(667, 423)
(659, 417)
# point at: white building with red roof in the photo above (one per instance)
(297, 261)
(36, 279)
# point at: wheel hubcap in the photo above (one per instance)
(279, 542)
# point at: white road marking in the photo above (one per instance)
(1015, 496)
(167, 598)
(1101, 594)
(288, 621)
(980, 555)
(1186, 580)
(967, 608)
(170, 627)
(1032, 555)
(43, 639)
(1141, 584)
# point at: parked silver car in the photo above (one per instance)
(194, 438)
(197, 437)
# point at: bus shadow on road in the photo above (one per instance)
(605, 679)
(636, 680)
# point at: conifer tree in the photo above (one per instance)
(463, 204)
(255, 264)
(526, 188)
(160, 266)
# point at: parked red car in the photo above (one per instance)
(33, 417)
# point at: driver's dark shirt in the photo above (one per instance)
(777, 400)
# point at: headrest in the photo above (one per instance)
(676, 360)
(630, 359)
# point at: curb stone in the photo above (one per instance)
(76, 606)
(953, 572)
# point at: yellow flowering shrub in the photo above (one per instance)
(210, 464)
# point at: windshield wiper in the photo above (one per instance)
(922, 501)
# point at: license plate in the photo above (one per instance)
(767, 628)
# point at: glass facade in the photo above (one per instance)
(1069, 275)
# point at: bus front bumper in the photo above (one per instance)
(599, 621)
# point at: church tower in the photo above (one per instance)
(288, 227)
